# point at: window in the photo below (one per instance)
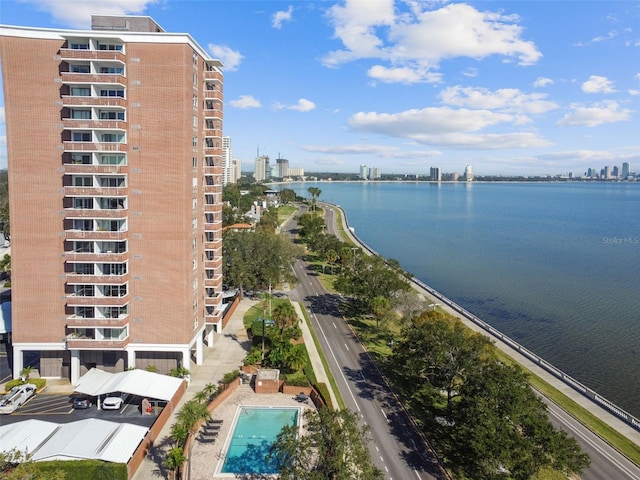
(195, 58)
(114, 333)
(85, 312)
(80, 92)
(83, 203)
(195, 101)
(81, 136)
(112, 160)
(110, 46)
(111, 115)
(114, 92)
(209, 123)
(112, 137)
(115, 290)
(209, 161)
(82, 181)
(83, 268)
(194, 142)
(79, 69)
(116, 70)
(112, 182)
(195, 79)
(209, 142)
(194, 161)
(81, 114)
(81, 158)
(84, 290)
(113, 247)
(83, 225)
(83, 247)
(79, 46)
(114, 268)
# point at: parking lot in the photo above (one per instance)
(58, 408)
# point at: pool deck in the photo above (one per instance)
(207, 458)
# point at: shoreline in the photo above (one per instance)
(614, 416)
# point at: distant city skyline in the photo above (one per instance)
(407, 85)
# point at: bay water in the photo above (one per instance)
(555, 266)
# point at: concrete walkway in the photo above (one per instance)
(227, 354)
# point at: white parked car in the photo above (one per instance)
(17, 396)
(114, 401)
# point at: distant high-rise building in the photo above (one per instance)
(115, 187)
(434, 174)
(283, 167)
(615, 171)
(363, 172)
(237, 170)
(374, 173)
(262, 171)
(227, 162)
(607, 172)
(626, 169)
(296, 172)
(468, 173)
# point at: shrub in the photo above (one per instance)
(83, 469)
(297, 379)
(230, 377)
(40, 383)
(324, 393)
(255, 356)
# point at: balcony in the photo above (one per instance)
(92, 344)
(93, 169)
(81, 279)
(85, 124)
(96, 191)
(95, 235)
(74, 54)
(214, 113)
(74, 300)
(215, 282)
(102, 78)
(94, 147)
(213, 75)
(214, 264)
(213, 95)
(72, 101)
(91, 257)
(94, 213)
(214, 317)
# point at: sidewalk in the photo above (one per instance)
(227, 354)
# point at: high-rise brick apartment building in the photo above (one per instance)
(114, 140)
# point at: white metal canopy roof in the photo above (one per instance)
(136, 382)
(85, 439)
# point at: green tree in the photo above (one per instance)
(191, 414)
(15, 465)
(315, 193)
(179, 372)
(296, 358)
(174, 460)
(334, 447)
(287, 195)
(253, 260)
(26, 372)
(284, 315)
(500, 424)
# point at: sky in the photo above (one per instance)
(509, 87)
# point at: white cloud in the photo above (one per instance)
(542, 82)
(416, 42)
(505, 99)
(303, 105)
(230, 58)
(597, 114)
(597, 84)
(77, 13)
(448, 127)
(470, 72)
(633, 92)
(384, 151)
(404, 75)
(245, 102)
(281, 16)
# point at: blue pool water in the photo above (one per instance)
(255, 431)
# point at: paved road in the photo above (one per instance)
(396, 447)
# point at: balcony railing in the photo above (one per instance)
(94, 147)
(91, 344)
(215, 113)
(104, 78)
(95, 213)
(95, 235)
(94, 169)
(75, 54)
(73, 101)
(74, 300)
(80, 322)
(81, 279)
(213, 75)
(213, 95)
(91, 257)
(84, 124)
(95, 191)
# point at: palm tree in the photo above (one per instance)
(174, 460)
(179, 433)
(315, 193)
(192, 413)
(210, 390)
(296, 359)
(285, 316)
(26, 372)
(179, 372)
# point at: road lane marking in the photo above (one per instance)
(384, 415)
(345, 346)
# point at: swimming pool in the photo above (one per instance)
(255, 430)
